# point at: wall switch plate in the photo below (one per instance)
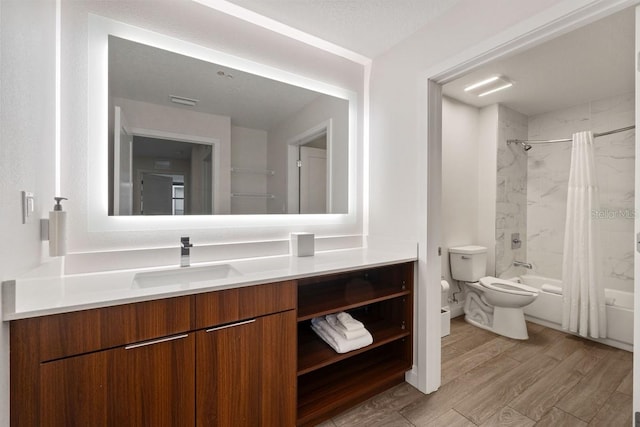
(28, 206)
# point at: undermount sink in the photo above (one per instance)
(185, 276)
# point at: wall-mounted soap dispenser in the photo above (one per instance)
(58, 229)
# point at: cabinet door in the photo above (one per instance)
(246, 373)
(146, 384)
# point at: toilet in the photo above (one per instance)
(490, 303)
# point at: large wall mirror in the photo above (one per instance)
(235, 167)
(193, 137)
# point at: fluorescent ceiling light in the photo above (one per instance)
(504, 86)
(489, 86)
(481, 83)
(182, 100)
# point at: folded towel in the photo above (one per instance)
(349, 323)
(335, 340)
(552, 289)
(333, 321)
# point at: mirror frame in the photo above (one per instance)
(99, 29)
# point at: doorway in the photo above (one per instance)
(432, 205)
(309, 177)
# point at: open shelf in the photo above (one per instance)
(328, 391)
(381, 298)
(339, 296)
(314, 353)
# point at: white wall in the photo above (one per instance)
(249, 151)
(27, 135)
(487, 160)
(469, 139)
(460, 124)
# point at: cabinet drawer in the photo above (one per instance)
(67, 334)
(231, 305)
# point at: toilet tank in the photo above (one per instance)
(468, 263)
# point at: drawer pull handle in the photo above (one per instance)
(158, 341)
(231, 325)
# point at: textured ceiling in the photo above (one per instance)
(367, 27)
(147, 74)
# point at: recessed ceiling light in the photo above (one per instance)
(504, 86)
(481, 83)
(488, 86)
(183, 101)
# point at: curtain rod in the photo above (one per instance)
(548, 141)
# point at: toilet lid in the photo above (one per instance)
(507, 286)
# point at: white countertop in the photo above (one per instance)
(35, 295)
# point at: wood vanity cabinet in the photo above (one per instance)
(154, 363)
(237, 357)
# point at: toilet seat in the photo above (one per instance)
(507, 286)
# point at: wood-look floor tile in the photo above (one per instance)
(431, 406)
(449, 419)
(453, 368)
(534, 327)
(538, 399)
(588, 396)
(498, 393)
(375, 408)
(626, 386)
(327, 423)
(563, 348)
(536, 344)
(558, 418)
(449, 352)
(469, 338)
(392, 419)
(508, 417)
(617, 411)
(603, 350)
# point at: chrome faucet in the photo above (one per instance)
(523, 264)
(185, 247)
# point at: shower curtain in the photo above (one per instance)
(583, 292)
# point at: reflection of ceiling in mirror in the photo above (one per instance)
(161, 148)
(147, 74)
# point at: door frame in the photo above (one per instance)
(553, 22)
(194, 139)
(293, 180)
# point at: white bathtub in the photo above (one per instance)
(547, 310)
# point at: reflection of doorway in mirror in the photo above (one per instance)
(313, 178)
(309, 178)
(161, 194)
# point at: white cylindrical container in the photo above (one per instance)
(58, 229)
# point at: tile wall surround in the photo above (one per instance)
(548, 175)
(511, 192)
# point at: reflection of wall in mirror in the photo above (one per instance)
(321, 109)
(142, 115)
(249, 156)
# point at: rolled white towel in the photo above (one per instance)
(333, 321)
(552, 289)
(335, 340)
(349, 323)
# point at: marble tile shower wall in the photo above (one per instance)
(548, 175)
(511, 192)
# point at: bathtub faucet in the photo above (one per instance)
(523, 264)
